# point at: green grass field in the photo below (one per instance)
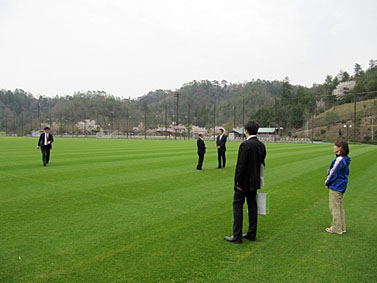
(137, 211)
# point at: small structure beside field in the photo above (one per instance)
(265, 134)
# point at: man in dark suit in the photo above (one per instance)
(247, 181)
(221, 148)
(45, 144)
(201, 151)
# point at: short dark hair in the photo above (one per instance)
(344, 149)
(252, 127)
(222, 130)
(47, 128)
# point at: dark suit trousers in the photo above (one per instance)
(238, 203)
(221, 157)
(45, 154)
(200, 161)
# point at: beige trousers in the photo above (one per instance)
(337, 211)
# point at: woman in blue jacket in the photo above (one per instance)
(337, 179)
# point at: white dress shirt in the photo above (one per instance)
(46, 138)
(252, 136)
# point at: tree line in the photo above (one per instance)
(201, 103)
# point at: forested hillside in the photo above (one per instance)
(201, 103)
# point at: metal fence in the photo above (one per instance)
(356, 122)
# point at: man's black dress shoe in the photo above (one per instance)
(218, 168)
(232, 240)
(246, 236)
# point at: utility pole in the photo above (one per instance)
(276, 120)
(214, 120)
(372, 135)
(145, 122)
(22, 125)
(166, 122)
(128, 116)
(312, 127)
(234, 116)
(84, 123)
(177, 112)
(243, 118)
(354, 118)
(14, 123)
(188, 121)
(73, 121)
(6, 125)
(39, 112)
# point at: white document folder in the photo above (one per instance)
(262, 203)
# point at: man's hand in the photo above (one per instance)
(205, 146)
(218, 147)
(37, 147)
(48, 142)
(238, 188)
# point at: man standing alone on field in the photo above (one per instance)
(221, 148)
(201, 151)
(45, 144)
(247, 181)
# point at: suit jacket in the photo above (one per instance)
(251, 156)
(201, 146)
(221, 142)
(41, 140)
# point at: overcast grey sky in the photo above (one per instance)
(128, 48)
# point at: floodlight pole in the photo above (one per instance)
(145, 122)
(166, 122)
(347, 126)
(22, 124)
(243, 118)
(214, 120)
(39, 112)
(177, 112)
(313, 118)
(188, 121)
(14, 123)
(354, 118)
(6, 125)
(312, 127)
(72, 121)
(234, 116)
(84, 123)
(128, 115)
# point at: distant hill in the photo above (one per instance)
(201, 103)
(329, 125)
